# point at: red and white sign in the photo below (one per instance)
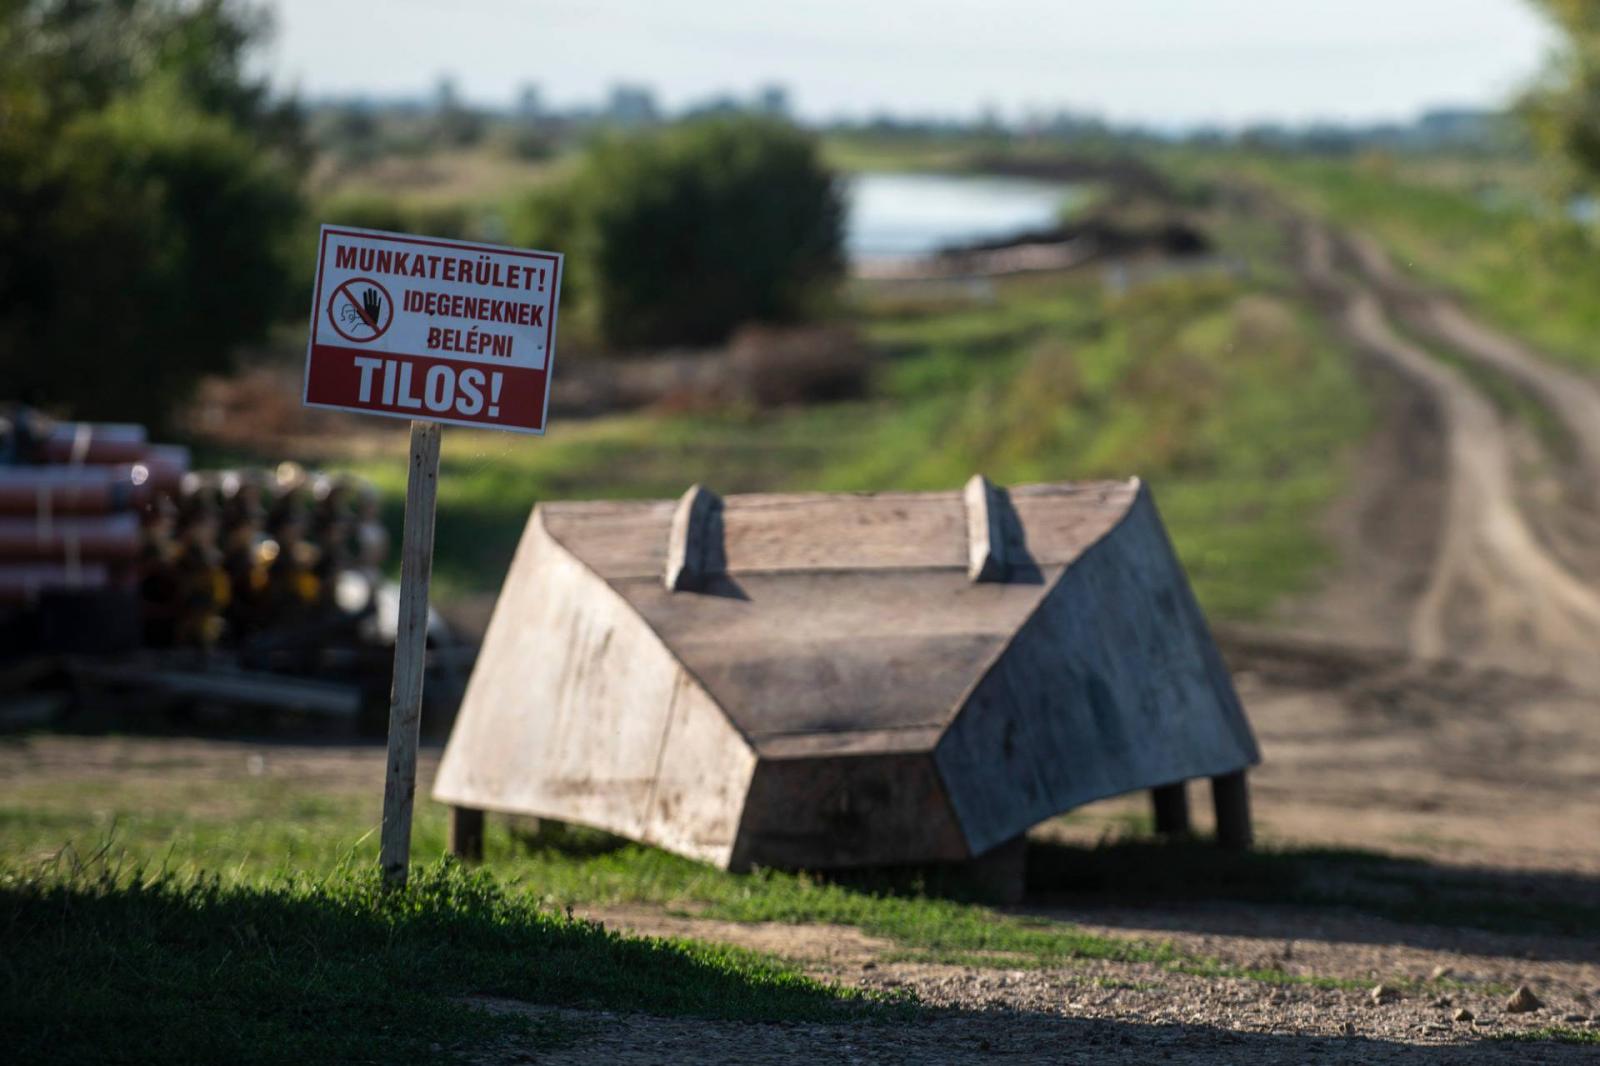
(447, 331)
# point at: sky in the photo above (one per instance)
(1166, 63)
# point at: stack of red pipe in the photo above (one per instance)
(71, 508)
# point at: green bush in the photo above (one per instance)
(147, 198)
(680, 236)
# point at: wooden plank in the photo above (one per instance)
(852, 811)
(700, 780)
(845, 695)
(410, 652)
(790, 654)
(1230, 796)
(772, 533)
(815, 532)
(577, 712)
(466, 834)
(1170, 806)
(694, 544)
(1058, 523)
(1113, 685)
(898, 740)
(767, 534)
(986, 533)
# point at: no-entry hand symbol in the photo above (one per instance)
(360, 310)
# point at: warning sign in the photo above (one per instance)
(447, 331)
(362, 318)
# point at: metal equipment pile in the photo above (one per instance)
(110, 541)
(125, 572)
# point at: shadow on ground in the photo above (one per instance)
(1140, 882)
(107, 964)
(1144, 873)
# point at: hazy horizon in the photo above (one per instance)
(1162, 63)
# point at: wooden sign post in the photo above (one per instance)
(410, 653)
(433, 331)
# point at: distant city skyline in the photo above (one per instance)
(1161, 63)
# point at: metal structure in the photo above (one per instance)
(825, 681)
(132, 586)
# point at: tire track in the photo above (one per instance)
(1495, 594)
(1571, 397)
(1561, 497)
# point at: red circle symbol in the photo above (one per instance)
(360, 310)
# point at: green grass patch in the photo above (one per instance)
(1515, 260)
(252, 830)
(1228, 400)
(169, 968)
(246, 832)
(854, 153)
(927, 911)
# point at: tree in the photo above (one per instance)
(681, 235)
(1563, 107)
(147, 199)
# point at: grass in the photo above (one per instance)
(167, 968)
(854, 153)
(470, 179)
(228, 914)
(220, 914)
(1224, 395)
(1515, 260)
(255, 828)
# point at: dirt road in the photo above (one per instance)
(1496, 594)
(1136, 1013)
